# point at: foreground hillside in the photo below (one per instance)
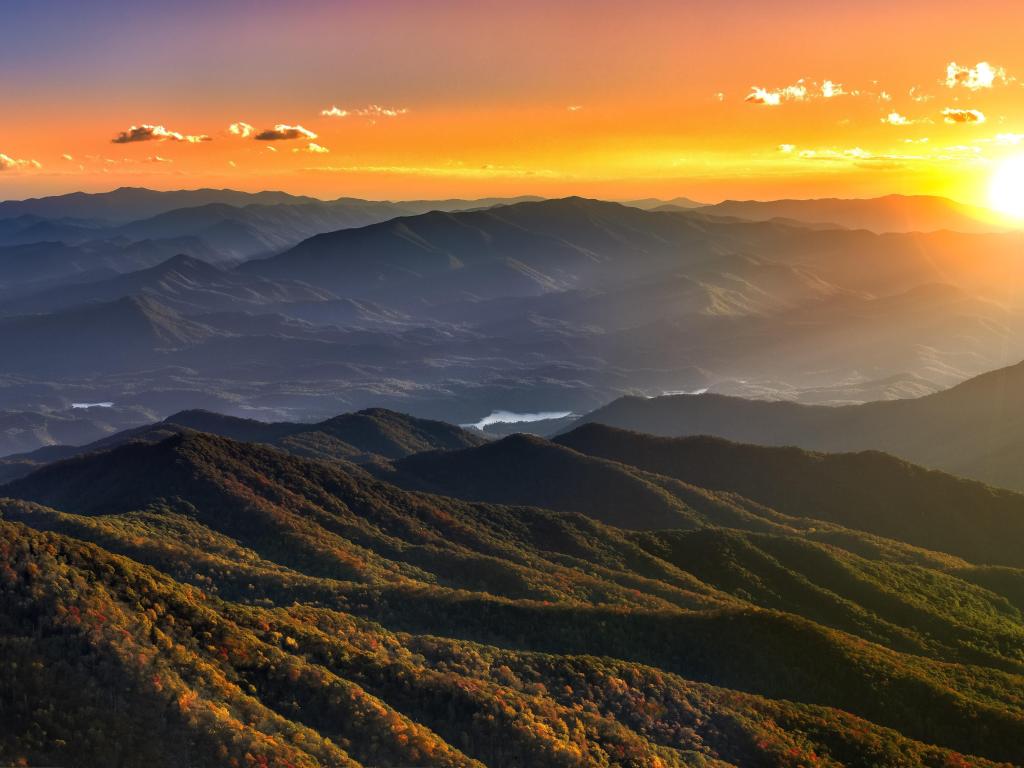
(202, 601)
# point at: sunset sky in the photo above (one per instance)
(395, 99)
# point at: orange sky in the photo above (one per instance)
(445, 98)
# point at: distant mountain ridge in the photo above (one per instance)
(893, 213)
(975, 429)
(368, 435)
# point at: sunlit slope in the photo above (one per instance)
(270, 603)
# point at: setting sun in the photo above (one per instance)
(1006, 192)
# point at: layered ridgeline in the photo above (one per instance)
(975, 429)
(374, 434)
(455, 309)
(893, 213)
(204, 601)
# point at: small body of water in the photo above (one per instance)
(510, 417)
(87, 406)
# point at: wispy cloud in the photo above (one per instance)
(156, 133)
(963, 116)
(773, 98)
(574, 107)
(158, 159)
(241, 129)
(282, 132)
(372, 111)
(316, 149)
(801, 90)
(983, 75)
(8, 163)
(917, 95)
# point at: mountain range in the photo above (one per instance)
(289, 309)
(974, 429)
(893, 213)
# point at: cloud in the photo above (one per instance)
(895, 118)
(8, 163)
(372, 111)
(961, 116)
(241, 129)
(158, 159)
(801, 90)
(68, 157)
(787, 149)
(830, 90)
(574, 107)
(761, 96)
(916, 95)
(984, 75)
(857, 157)
(316, 149)
(282, 132)
(155, 133)
(795, 92)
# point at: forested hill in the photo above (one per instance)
(204, 601)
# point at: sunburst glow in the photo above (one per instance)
(1006, 193)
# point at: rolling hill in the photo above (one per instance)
(371, 435)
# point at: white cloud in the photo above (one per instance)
(984, 75)
(801, 90)
(68, 157)
(372, 111)
(895, 118)
(241, 129)
(765, 97)
(762, 96)
(830, 90)
(316, 149)
(574, 107)
(156, 133)
(787, 149)
(961, 116)
(8, 163)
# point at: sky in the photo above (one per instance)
(392, 99)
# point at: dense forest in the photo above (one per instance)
(203, 601)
